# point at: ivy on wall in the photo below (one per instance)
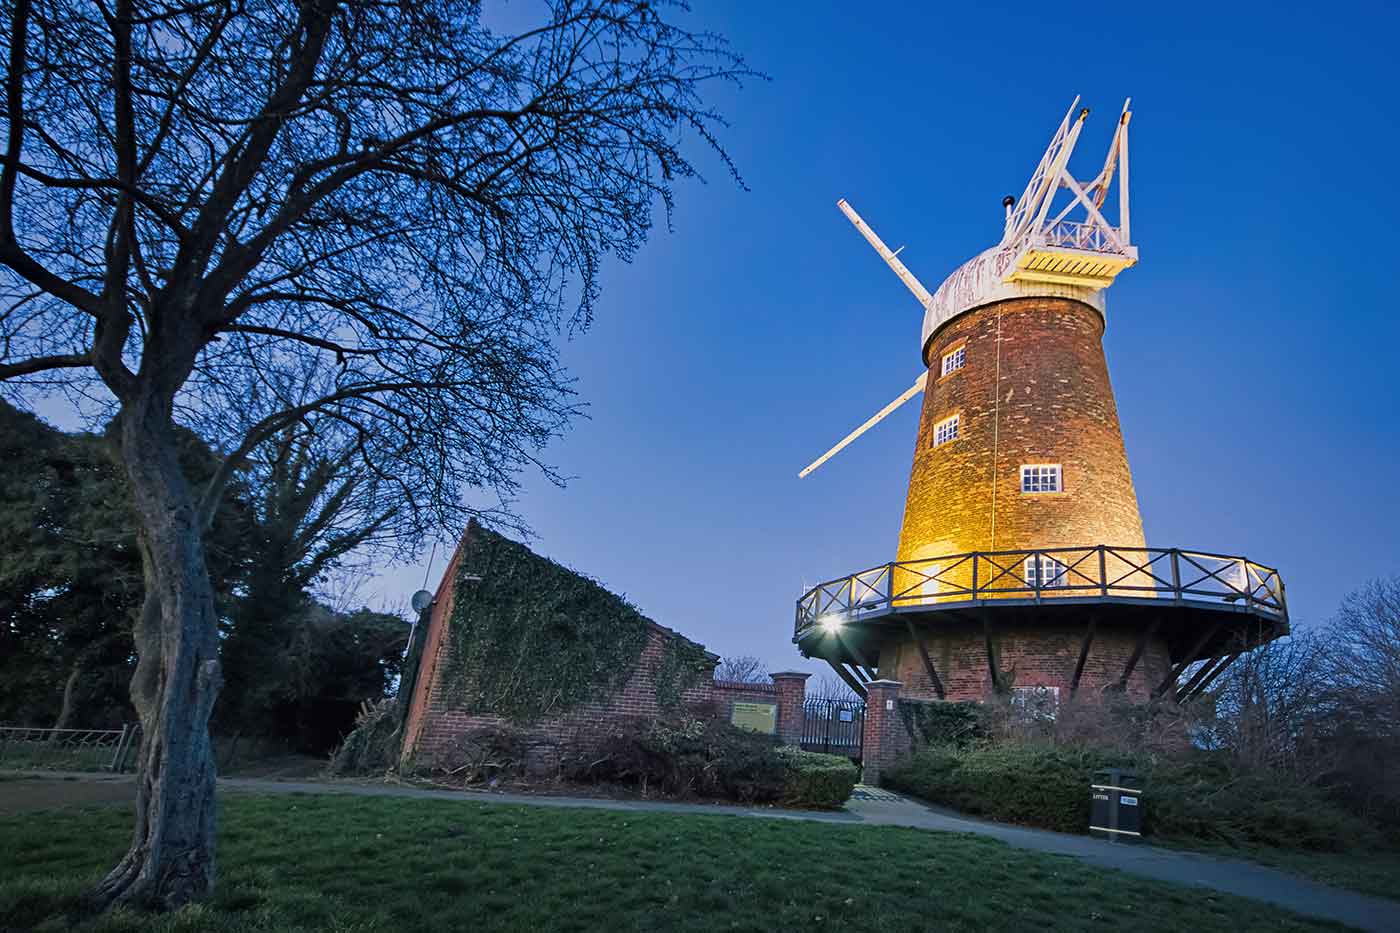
(533, 638)
(682, 665)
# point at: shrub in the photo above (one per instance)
(481, 756)
(687, 757)
(816, 780)
(372, 747)
(943, 723)
(711, 758)
(1203, 797)
(1039, 785)
(1193, 797)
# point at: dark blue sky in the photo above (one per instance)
(1253, 349)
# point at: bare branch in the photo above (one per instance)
(42, 363)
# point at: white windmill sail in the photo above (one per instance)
(879, 416)
(911, 281)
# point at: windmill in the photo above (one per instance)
(1022, 564)
(1036, 248)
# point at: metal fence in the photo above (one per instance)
(22, 747)
(1046, 574)
(836, 727)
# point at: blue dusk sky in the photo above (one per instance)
(1253, 350)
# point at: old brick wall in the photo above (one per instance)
(726, 694)
(885, 739)
(444, 724)
(1039, 394)
(1039, 656)
(432, 656)
(436, 721)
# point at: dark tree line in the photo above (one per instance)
(230, 216)
(71, 589)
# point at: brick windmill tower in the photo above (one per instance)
(1022, 566)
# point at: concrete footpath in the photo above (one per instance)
(869, 807)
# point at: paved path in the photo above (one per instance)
(882, 808)
(41, 790)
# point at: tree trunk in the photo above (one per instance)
(70, 692)
(171, 859)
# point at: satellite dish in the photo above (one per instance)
(421, 600)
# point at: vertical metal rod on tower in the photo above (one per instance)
(1123, 180)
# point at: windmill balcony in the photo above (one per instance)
(1073, 235)
(1191, 590)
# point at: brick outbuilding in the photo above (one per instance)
(544, 600)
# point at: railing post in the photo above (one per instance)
(889, 584)
(975, 555)
(117, 754)
(1103, 571)
(1176, 575)
(1039, 570)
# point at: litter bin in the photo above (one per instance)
(1115, 810)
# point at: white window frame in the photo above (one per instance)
(954, 360)
(947, 430)
(1036, 702)
(1042, 478)
(1051, 573)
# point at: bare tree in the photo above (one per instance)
(827, 686)
(1271, 704)
(1363, 642)
(742, 669)
(235, 214)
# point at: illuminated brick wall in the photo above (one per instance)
(1038, 395)
(1051, 402)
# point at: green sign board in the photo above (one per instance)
(756, 717)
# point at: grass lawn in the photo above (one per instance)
(295, 862)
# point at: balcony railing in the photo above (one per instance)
(1072, 235)
(1038, 575)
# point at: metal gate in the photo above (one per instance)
(836, 727)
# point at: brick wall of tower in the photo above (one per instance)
(1049, 401)
(1028, 656)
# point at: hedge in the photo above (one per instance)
(1196, 798)
(816, 780)
(711, 758)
